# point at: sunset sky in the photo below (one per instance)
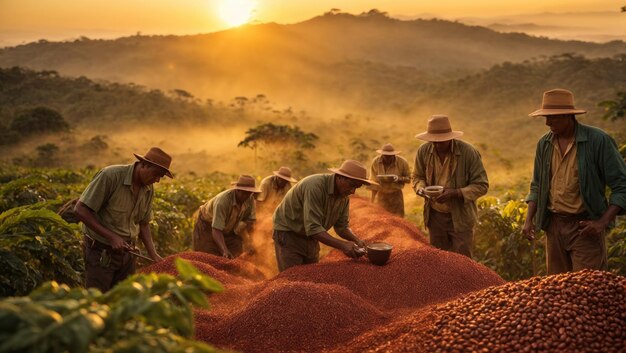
(28, 20)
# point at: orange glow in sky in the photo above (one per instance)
(66, 19)
(236, 12)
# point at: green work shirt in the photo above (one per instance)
(599, 165)
(467, 173)
(311, 207)
(110, 196)
(223, 213)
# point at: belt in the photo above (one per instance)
(571, 217)
(93, 243)
(297, 235)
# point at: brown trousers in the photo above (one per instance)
(443, 236)
(104, 268)
(202, 240)
(566, 250)
(293, 249)
(393, 202)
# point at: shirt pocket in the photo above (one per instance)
(573, 185)
(118, 217)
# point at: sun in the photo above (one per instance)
(236, 12)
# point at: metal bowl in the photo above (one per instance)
(433, 190)
(379, 253)
(387, 177)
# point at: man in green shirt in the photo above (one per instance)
(574, 164)
(389, 193)
(116, 208)
(223, 220)
(313, 206)
(457, 166)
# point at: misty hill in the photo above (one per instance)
(85, 103)
(299, 63)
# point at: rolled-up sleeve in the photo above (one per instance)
(98, 190)
(478, 183)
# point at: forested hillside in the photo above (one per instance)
(272, 59)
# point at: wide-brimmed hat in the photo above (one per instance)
(245, 183)
(284, 173)
(439, 129)
(557, 102)
(388, 150)
(353, 170)
(159, 158)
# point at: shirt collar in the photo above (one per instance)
(453, 149)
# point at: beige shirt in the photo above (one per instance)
(110, 196)
(223, 213)
(565, 194)
(270, 191)
(311, 207)
(443, 171)
(399, 167)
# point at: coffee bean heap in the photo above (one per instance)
(582, 311)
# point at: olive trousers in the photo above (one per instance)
(294, 249)
(202, 240)
(104, 267)
(443, 236)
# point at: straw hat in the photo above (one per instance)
(353, 170)
(439, 129)
(159, 158)
(557, 102)
(245, 183)
(388, 150)
(284, 173)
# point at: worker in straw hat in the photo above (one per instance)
(273, 189)
(389, 191)
(574, 163)
(224, 221)
(115, 209)
(313, 206)
(456, 166)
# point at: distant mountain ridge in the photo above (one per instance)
(293, 63)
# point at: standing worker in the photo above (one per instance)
(313, 206)
(225, 220)
(457, 166)
(273, 189)
(116, 208)
(574, 163)
(389, 192)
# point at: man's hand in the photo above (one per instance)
(350, 249)
(586, 228)
(529, 229)
(118, 244)
(360, 243)
(227, 254)
(447, 195)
